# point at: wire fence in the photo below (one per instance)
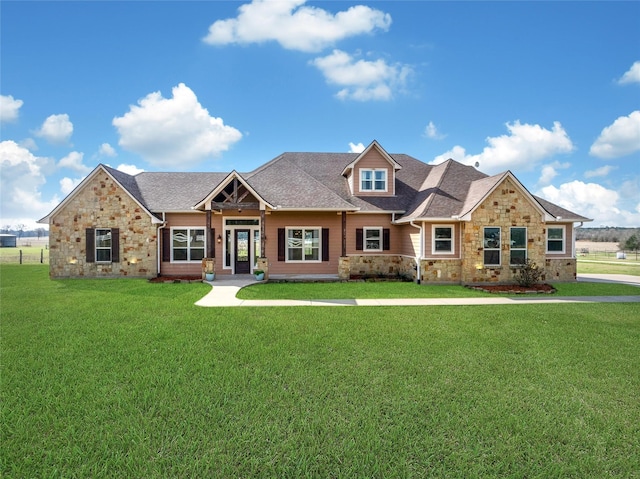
(24, 255)
(607, 254)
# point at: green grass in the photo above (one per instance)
(366, 290)
(124, 378)
(30, 254)
(613, 267)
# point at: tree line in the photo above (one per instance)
(21, 231)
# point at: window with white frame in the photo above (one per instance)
(187, 244)
(491, 245)
(373, 180)
(103, 245)
(442, 239)
(518, 243)
(372, 239)
(303, 244)
(555, 239)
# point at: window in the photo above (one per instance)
(492, 246)
(442, 239)
(103, 245)
(518, 254)
(187, 244)
(303, 244)
(373, 180)
(555, 239)
(372, 239)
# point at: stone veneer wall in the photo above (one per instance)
(102, 204)
(380, 265)
(440, 271)
(560, 270)
(506, 206)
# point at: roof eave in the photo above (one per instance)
(81, 186)
(205, 204)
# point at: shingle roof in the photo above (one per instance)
(176, 191)
(423, 191)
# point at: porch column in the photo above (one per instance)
(344, 233)
(262, 234)
(210, 238)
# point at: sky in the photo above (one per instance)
(547, 90)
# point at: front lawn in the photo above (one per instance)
(372, 290)
(125, 378)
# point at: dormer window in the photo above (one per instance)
(373, 180)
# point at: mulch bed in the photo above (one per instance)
(176, 279)
(515, 289)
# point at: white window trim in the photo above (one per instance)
(364, 238)
(498, 249)
(564, 239)
(303, 228)
(97, 248)
(188, 228)
(373, 180)
(525, 249)
(433, 239)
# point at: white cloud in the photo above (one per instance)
(73, 161)
(362, 80)
(129, 169)
(524, 148)
(593, 201)
(457, 153)
(602, 171)
(107, 150)
(21, 176)
(550, 171)
(356, 147)
(632, 75)
(9, 108)
(68, 184)
(294, 26)
(431, 131)
(619, 139)
(56, 129)
(174, 132)
(29, 144)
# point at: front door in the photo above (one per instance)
(242, 264)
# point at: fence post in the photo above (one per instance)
(41, 256)
(20, 256)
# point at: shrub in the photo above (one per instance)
(529, 274)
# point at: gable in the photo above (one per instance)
(232, 193)
(505, 185)
(372, 173)
(104, 181)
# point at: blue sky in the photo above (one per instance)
(548, 90)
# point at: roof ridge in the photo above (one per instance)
(432, 196)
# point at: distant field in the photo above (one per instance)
(31, 248)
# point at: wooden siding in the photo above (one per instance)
(293, 219)
(373, 160)
(428, 241)
(568, 241)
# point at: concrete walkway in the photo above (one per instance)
(223, 294)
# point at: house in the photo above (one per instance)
(341, 214)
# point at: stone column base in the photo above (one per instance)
(344, 268)
(263, 264)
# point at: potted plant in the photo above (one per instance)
(259, 274)
(209, 273)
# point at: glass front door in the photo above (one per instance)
(242, 257)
